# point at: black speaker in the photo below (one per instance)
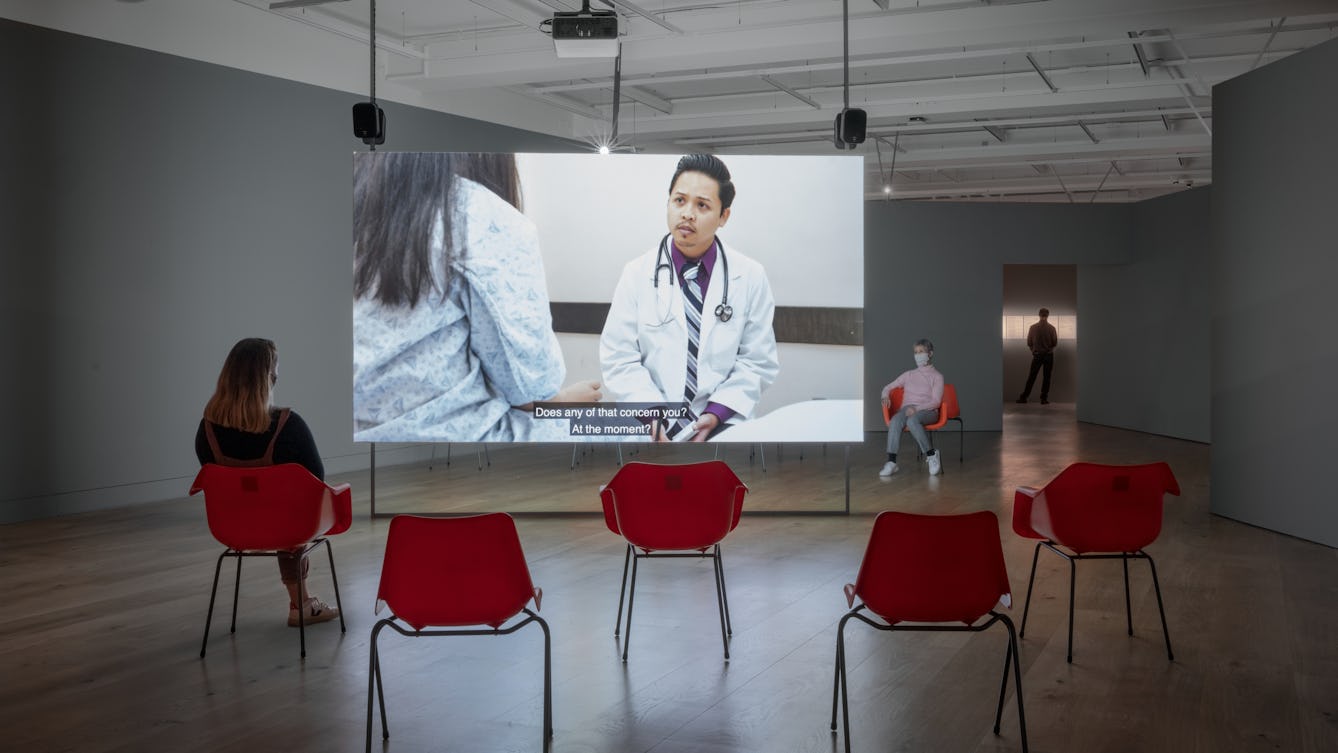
(849, 128)
(369, 123)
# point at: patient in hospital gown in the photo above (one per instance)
(464, 362)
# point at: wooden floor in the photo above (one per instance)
(103, 613)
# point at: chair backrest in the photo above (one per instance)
(270, 507)
(950, 408)
(449, 572)
(685, 506)
(1090, 507)
(932, 568)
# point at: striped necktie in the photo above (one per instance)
(692, 296)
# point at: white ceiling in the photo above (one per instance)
(1036, 100)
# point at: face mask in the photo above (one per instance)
(921, 359)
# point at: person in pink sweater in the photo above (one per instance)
(922, 394)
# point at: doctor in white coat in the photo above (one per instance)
(653, 348)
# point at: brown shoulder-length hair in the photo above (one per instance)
(241, 399)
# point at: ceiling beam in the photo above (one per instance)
(1133, 116)
(649, 100)
(792, 92)
(1040, 72)
(1142, 57)
(639, 11)
(1269, 42)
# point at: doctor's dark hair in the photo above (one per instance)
(711, 166)
(397, 197)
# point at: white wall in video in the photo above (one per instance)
(454, 284)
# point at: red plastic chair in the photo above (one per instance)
(948, 410)
(1097, 512)
(663, 510)
(931, 569)
(452, 573)
(260, 512)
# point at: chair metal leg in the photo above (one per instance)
(548, 681)
(845, 689)
(1030, 582)
(622, 592)
(1073, 577)
(335, 579)
(720, 601)
(236, 593)
(374, 686)
(1128, 610)
(1003, 686)
(302, 615)
(729, 627)
(631, 597)
(1160, 609)
(213, 592)
(836, 680)
(1017, 682)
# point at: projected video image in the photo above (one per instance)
(607, 298)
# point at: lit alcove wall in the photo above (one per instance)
(1027, 288)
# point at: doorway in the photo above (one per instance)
(1026, 289)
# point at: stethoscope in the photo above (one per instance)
(663, 260)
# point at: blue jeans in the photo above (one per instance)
(915, 423)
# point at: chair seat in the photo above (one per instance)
(661, 510)
(1096, 511)
(267, 511)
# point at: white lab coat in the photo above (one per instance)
(643, 349)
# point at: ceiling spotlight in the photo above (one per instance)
(603, 148)
(887, 189)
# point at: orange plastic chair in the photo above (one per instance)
(1097, 512)
(453, 573)
(948, 410)
(931, 569)
(260, 512)
(663, 510)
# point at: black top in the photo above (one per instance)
(293, 445)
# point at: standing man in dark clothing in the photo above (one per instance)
(1041, 339)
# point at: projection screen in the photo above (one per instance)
(559, 298)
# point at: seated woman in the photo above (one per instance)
(452, 333)
(241, 428)
(922, 394)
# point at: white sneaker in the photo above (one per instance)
(316, 611)
(935, 465)
(889, 468)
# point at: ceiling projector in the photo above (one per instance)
(585, 33)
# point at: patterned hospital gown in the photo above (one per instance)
(450, 368)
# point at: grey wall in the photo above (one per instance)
(1026, 289)
(153, 210)
(936, 270)
(1275, 351)
(1144, 326)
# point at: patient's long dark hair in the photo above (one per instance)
(397, 197)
